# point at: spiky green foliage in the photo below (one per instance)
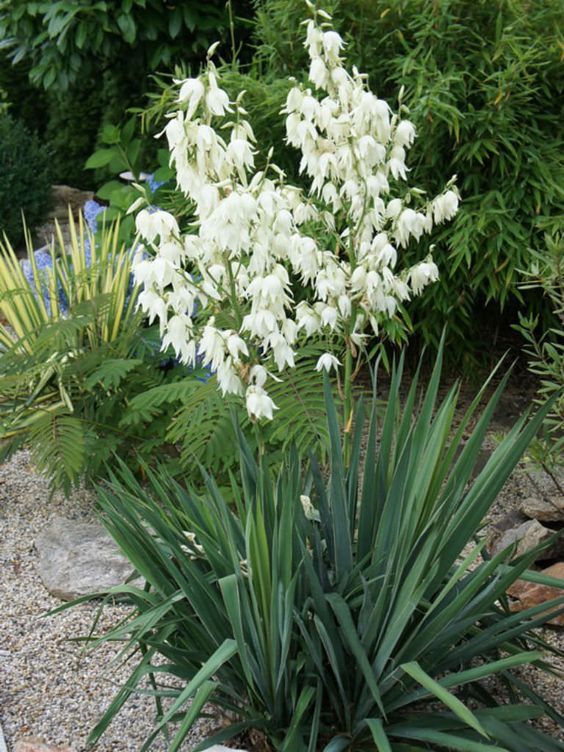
(82, 270)
(363, 622)
(483, 83)
(73, 354)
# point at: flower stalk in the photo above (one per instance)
(225, 292)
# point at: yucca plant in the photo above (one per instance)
(43, 288)
(73, 353)
(345, 611)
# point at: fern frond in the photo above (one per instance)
(145, 406)
(111, 372)
(57, 443)
(301, 418)
(203, 426)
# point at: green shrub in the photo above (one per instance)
(339, 613)
(72, 128)
(546, 351)
(482, 81)
(67, 122)
(25, 102)
(89, 62)
(67, 41)
(73, 354)
(25, 186)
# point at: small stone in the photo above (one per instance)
(548, 509)
(526, 536)
(64, 196)
(512, 519)
(79, 558)
(529, 594)
(35, 744)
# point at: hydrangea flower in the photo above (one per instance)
(44, 264)
(91, 210)
(154, 184)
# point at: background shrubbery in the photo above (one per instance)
(25, 178)
(80, 65)
(483, 83)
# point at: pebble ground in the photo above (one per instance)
(50, 686)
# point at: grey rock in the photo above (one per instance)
(36, 744)
(79, 558)
(512, 519)
(548, 509)
(64, 196)
(526, 536)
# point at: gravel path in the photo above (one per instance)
(51, 688)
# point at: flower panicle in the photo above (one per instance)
(256, 236)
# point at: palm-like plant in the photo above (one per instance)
(73, 353)
(348, 613)
(74, 271)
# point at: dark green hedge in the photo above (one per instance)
(24, 179)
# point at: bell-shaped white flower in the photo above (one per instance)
(228, 379)
(153, 305)
(241, 155)
(259, 404)
(445, 206)
(217, 100)
(178, 335)
(423, 274)
(308, 319)
(237, 347)
(327, 362)
(191, 92)
(318, 73)
(405, 133)
(152, 224)
(332, 44)
(212, 346)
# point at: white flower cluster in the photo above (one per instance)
(224, 292)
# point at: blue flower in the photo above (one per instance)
(44, 265)
(87, 252)
(154, 184)
(91, 210)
